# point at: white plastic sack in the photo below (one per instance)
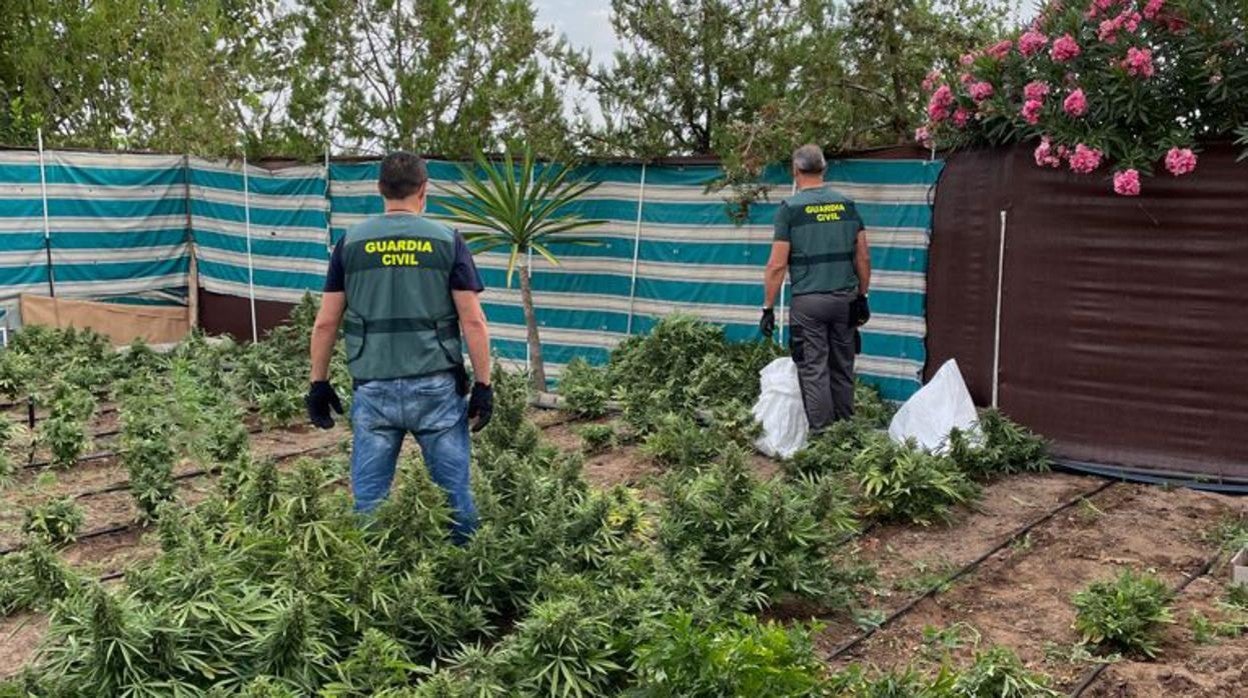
(931, 413)
(779, 409)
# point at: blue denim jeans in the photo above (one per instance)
(383, 412)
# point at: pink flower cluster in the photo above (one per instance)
(1000, 50)
(1065, 48)
(1127, 183)
(1139, 62)
(923, 135)
(1031, 42)
(1099, 7)
(929, 82)
(1180, 161)
(1031, 111)
(980, 91)
(1036, 89)
(1108, 30)
(1085, 159)
(967, 59)
(1076, 103)
(1047, 155)
(1153, 9)
(940, 103)
(961, 117)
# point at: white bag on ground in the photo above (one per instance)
(779, 409)
(938, 407)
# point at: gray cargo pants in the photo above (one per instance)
(823, 349)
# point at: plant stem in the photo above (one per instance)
(536, 366)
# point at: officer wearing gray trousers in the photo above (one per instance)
(819, 240)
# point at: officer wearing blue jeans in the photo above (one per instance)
(405, 290)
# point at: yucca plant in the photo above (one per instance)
(521, 206)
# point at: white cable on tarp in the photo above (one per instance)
(996, 333)
(632, 285)
(251, 271)
(47, 227)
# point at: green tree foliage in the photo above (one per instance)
(173, 75)
(445, 76)
(746, 80)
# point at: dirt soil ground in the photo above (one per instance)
(1020, 597)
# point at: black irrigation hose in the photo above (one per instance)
(1095, 672)
(105, 455)
(119, 487)
(947, 581)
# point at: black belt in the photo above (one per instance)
(807, 260)
(446, 330)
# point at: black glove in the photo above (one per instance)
(320, 398)
(767, 324)
(857, 342)
(481, 405)
(859, 311)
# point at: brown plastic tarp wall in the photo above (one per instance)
(119, 322)
(1124, 324)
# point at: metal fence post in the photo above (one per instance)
(47, 228)
(251, 271)
(632, 286)
(996, 332)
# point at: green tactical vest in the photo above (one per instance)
(400, 320)
(823, 234)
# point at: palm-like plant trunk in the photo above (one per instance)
(536, 367)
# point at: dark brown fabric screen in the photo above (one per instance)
(222, 314)
(1124, 330)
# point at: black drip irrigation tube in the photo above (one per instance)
(122, 486)
(1095, 672)
(969, 567)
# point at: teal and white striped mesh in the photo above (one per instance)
(120, 225)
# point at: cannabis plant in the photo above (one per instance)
(901, 482)
(999, 673)
(64, 432)
(55, 522)
(585, 389)
(597, 437)
(1125, 613)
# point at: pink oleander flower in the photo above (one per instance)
(1129, 20)
(940, 103)
(1000, 50)
(929, 82)
(1031, 111)
(980, 91)
(1046, 155)
(923, 135)
(1076, 103)
(1085, 159)
(1139, 62)
(1036, 89)
(966, 79)
(967, 59)
(1127, 183)
(961, 117)
(1153, 8)
(1108, 31)
(1031, 43)
(1065, 48)
(1180, 161)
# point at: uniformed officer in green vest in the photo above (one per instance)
(820, 242)
(405, 290)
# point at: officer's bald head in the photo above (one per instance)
(808, 160)
(402, 174)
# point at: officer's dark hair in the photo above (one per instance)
(402, 173)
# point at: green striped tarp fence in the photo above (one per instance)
(120, 225)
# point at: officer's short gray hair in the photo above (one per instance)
(808, 159)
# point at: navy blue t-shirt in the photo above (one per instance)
(464, 275)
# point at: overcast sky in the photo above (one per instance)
(587, 23)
